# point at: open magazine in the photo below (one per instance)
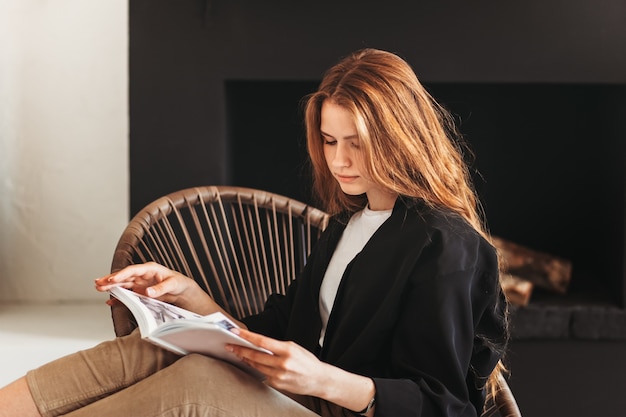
(182, 331)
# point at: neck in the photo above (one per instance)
(382, 202)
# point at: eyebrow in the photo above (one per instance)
(355, 136)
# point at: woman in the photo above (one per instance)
(398, 311)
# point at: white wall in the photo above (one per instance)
(63, 145)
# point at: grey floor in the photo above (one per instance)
(33, 334)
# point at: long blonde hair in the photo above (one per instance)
(409, 142)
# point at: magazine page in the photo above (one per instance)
(202, 334)
(206, 338)
(149, 312)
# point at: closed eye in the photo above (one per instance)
(328, 140)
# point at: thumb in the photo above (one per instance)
(165, 287)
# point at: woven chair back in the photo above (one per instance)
(239, 244)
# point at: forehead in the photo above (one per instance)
(337, 120)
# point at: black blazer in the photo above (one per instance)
(418, 310)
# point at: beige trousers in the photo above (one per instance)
(131, 377)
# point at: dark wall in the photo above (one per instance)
(181, 54)
(185, 54)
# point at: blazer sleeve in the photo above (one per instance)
(447, 326)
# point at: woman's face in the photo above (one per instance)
(344, 157)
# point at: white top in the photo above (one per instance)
(359, 230)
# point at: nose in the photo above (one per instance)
(341, 157)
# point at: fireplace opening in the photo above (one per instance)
(549, 166)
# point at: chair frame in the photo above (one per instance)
(502, 403)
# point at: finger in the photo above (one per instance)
(264, 362)
(112, 301)
(148, 273)
(167, 286)
(273, 345)
(106, 283)
(147, 270)
(266, 369)
(103, 280)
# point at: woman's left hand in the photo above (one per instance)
(157, 281)
(291, 368)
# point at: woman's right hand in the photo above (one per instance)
(156, 281)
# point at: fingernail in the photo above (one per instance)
(150, 291)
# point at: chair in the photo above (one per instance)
(239, 244)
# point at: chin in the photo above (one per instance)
(346, 189)
(353, 191)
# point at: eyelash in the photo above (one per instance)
(330, 142)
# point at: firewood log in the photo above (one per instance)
(517, 290)
(542, 269)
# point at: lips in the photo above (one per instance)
(346, 178)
